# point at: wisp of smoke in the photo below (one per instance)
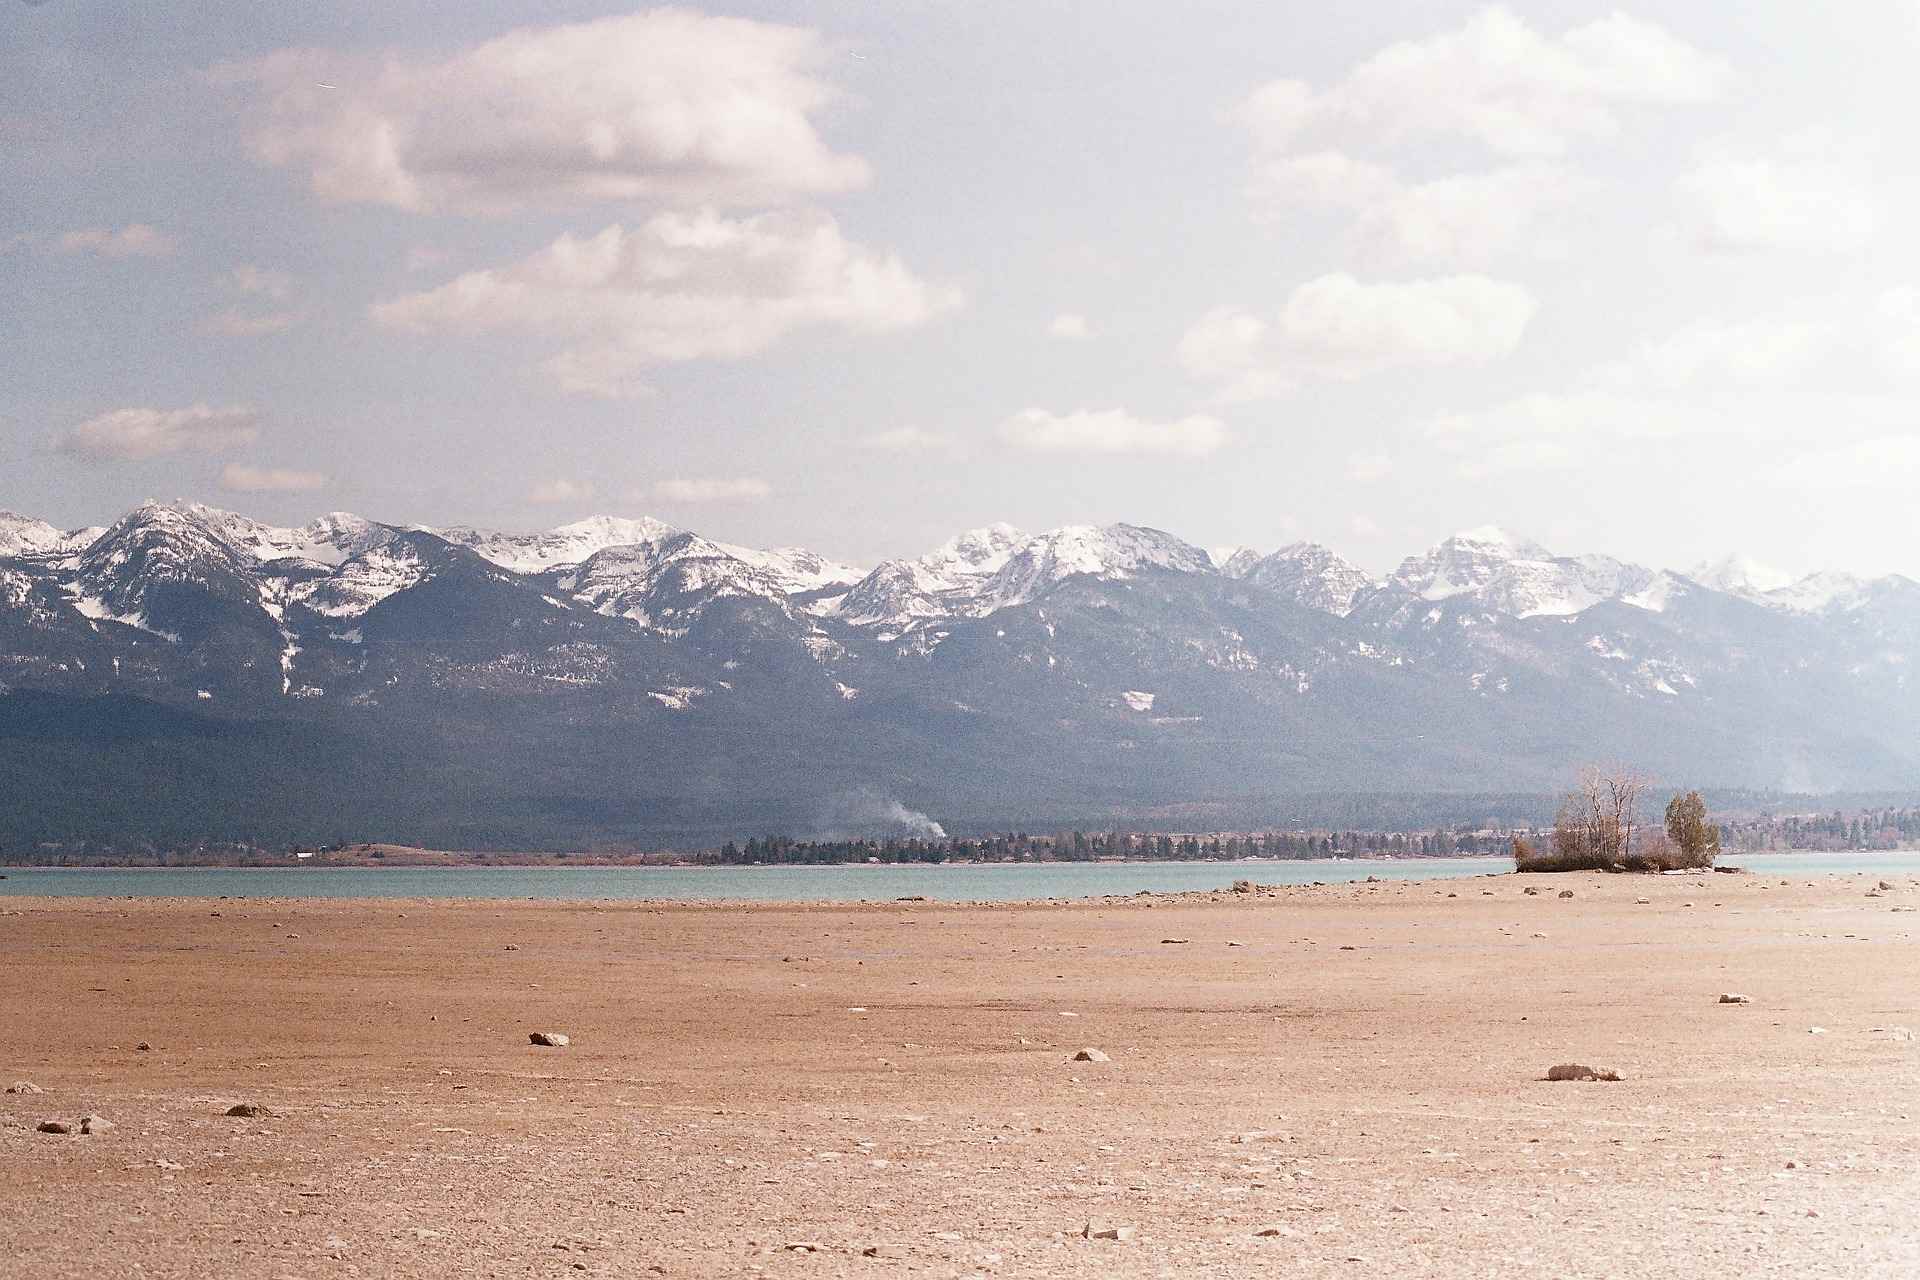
(865, 814)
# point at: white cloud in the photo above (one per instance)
(601, 372)
(1883, 462)
(738, 489)
(1812, 197)
(553, 492)
(1850, 346)
(260, 281)
(255, 282)
(1070, 325)
(667, 105)
(135, 240)
(132, 435)
(1338, 327)
(678, 287)
(910, 440)
(1463, 217)
(237, 322)
(1896, 323)
(1112, 431)
(1495, 81)
(1368, 467)
(240, 478)
(423, 257)
(1557, 431)
(1755, 350)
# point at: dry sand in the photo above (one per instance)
(1360, 1080)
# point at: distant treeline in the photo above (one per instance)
(1865, 829)
(1830, 832)
(1091, 846)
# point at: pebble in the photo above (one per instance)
(1566, 893)
(1093, 1231)
(1174, 942)
(549, 1039)
(1733, 997)
(24, 1086)
(143, 1047)
(884, 1251)
(1091, 1055)
(95, 1124)
(248, 1110)
(55, 1126)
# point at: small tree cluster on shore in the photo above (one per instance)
(1598, 828)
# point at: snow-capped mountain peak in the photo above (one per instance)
(1739, 575)
(1466, 563)
(331, 539)
(1110, 551)
(797, 570)
(977, 553)
(24, 536)
(1310, 574)
(567, 544)
(1235, 562)
(1515, 575)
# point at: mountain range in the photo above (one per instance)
(191, 674)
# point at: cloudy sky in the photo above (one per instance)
(856, 276)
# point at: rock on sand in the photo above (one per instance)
(1579, 1071)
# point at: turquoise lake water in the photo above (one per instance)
(811, 884)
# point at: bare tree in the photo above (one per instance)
(1596, 822)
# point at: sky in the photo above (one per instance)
(855, 277)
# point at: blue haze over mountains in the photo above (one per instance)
(192, 674)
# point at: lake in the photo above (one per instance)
(852, 883)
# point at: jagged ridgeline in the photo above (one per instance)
(191, 674)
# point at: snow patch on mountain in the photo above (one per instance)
(366, 580)
(567, 544)
(797, 570)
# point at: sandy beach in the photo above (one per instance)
(1354, 1089)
